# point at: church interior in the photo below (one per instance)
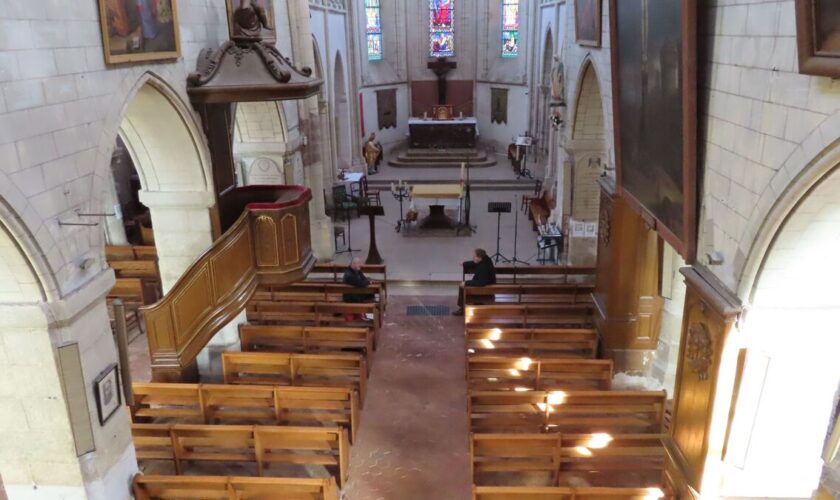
(419, 249)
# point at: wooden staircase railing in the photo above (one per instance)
(269, 243)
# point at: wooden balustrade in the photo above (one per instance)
(268, 244)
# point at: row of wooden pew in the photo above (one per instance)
(291, 398)
(545, 423)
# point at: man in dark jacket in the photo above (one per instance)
(354, 277)
(483, 271)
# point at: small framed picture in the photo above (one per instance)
(106, 389)
(139, 30)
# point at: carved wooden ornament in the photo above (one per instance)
(699, 350)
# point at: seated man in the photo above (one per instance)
(354, 277)
(483, 271)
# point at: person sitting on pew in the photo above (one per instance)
(483, 271)
(354, 277)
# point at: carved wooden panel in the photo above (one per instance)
(267, 249)
(709, 315)
(231, 265)
(192, 302)
(291, 247)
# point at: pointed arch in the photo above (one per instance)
(341, 114)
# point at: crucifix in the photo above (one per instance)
(441, 67)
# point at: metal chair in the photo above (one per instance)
(339, 231)
(343, 202)
(372, 195)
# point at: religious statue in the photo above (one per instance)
(372, 151)
(558, 85)
(249, 19)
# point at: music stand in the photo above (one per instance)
(349, 248)
(499, 208)
(515, 260)
(524, 142)
(466, 204)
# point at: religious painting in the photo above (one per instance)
(386, 108)
(510, 28)
(139, 30)
(106, 390)
(373, 29)
(655, 102)
(498, 105)
(269, 33)
(818, 37)
(588, 22)
(441, 28)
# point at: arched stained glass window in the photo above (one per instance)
(442, 28)
(374, 30)
(510, 28)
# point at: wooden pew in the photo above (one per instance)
(568, 493)
(558, 459)
(335, 273)
(115, 253)
(530, 316)
(613, 412)
(315, 291)
(246, 404)
(551, 274)
(338, 314)
(264, 446)
(498, 373)
(533, 342)
(307, 370)
(563, 293)
(232, 488)
(306, 339)
(146, 271)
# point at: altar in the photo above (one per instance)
(440, 134)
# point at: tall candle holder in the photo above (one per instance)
(400, 192)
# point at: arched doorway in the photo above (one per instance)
(173, 172)
(790, 376)
(341, 115)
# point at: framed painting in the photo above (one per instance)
(106, 389)
(588, 22)
(139, 30)
(268, 34)
(654, 68)
(818, 37)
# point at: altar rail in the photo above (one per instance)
(268, 244)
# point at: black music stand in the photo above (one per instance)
(499, 208)
(515, 260)
(350, 248)
(466, 204)
(524, 142)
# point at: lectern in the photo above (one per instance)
(373, 211)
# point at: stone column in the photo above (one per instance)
(53, 447)
(313, 129)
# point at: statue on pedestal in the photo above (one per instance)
(372, 151)
(558, 83)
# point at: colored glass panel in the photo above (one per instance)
(510, 28)
(373, 27)
(442, 28)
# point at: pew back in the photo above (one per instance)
(563, 293)
(497, 373)
(567, 493)
(232, 488)
(530, 316)
(533, 342)
(307, 339)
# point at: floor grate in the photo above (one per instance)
(427, 310)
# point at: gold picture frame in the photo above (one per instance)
(268, 35)
(147, 31)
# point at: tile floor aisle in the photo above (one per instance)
(413, 436)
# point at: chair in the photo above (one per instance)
(527, 199)
(339, 231)
(546, 246)
(341, 201)
(372, 195)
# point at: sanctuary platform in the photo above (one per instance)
(447, 157)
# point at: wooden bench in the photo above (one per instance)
(144, 270)
(498, 373)
(180, 443)
(318, 370)
(557, 459)
(114, 253)
(338, 314)
(563, 293)
(232, 488)
(551, 274)
(533, 342)
(314, 291)
(613, 412)
(246, 404)
(306, 339)
(530, 316)
(568, 493)
(334, 273)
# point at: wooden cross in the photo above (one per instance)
(441, 67)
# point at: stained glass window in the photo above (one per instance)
(441, 28)
(510, 28)
(374, 30)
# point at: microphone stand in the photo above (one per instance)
(514, 260)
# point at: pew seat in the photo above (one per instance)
(568, 493)
(530, 316)
(338, 314)
(533, 342)
(319, 291)
(563, 293)
(546, 274)
(246, 404)
(182, 444)
(302, 370)
(613, 412)
(305, 339)
(498, 373)
(232, 488)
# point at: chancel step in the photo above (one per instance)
(415, 157)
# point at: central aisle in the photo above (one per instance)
(413, 437)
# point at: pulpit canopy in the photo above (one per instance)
(248, 69)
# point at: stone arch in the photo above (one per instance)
(587, 145)
(341, 115)
(791, 343)
(25, 275)
(170, 155)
